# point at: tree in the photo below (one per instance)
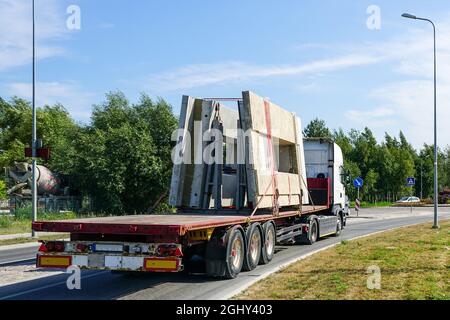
(55, 128)
(317, 129)
(3, 194)
(123, 158)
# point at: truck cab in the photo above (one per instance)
(325, 175)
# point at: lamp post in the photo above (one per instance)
(436, 222)
(34, 134)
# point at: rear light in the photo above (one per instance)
(43, 248)
(59, 246)
(52, 246)
(82, 247)
(169, 250)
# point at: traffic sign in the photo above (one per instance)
(410, 181)
(43, 153)
(358, 182)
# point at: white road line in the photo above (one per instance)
(7, 263)
(48, 286)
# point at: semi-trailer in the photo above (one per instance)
(243, 181)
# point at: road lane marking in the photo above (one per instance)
(48, 286)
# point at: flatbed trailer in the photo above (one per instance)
(230, 216)
(168, 242)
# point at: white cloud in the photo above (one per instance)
(411, 100)
(16, 31)
(76, 100)
(379, 117)
(207, 74)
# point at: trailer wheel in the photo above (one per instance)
(235, 254)
(268, 247)
(225, 254)
(253, 248)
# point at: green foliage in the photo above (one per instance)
(316, 129)
(3, 194)
(385, 166)
(123, 159)
(54, 126)
(25, 214)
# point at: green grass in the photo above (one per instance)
(28, 240)
(414, 263)
(21, 221)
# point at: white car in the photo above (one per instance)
(408, 200)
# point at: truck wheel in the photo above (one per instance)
(235, 253)
(268, 248)
(253, 249)
(338, 226)
(312, 235)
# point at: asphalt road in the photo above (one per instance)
(8, 257)
(105, 285)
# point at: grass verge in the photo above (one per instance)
(21, 221)
(414, 264)
(28, 240)
(365, 204)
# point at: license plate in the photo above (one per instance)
(154, 264)
(100, 247)
(55, 261)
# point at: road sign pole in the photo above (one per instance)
(411, 196)
(34, 135)
(357, 211)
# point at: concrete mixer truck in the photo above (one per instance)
(48, 183)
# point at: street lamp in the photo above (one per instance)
(436, 222)
(34, 135)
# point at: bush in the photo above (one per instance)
(5, 222)
(3, 194)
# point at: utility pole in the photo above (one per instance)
(436, 195)
(34, 133)
(421, 178)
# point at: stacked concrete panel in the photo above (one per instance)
(267, 169)
(276, 166)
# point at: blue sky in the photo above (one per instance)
(318, 60)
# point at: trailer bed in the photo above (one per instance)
(165, 224)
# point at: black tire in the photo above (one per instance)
(338, 226)
(268, 247)
(344, 220)
(235, 253)
(312, 235)
(253, 247)
(221, 261)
